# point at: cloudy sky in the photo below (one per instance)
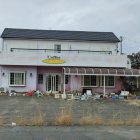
(119, 16)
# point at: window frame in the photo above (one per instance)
(38, 80)
(56, 49)
(67, 79)
(83, 82)
(21, 72)
(101, 81)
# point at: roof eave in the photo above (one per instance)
(114, 41)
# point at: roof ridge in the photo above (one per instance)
(58, 30)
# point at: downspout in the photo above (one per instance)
(137, 82)
(121, 39)
(64, 88)
(104, 85)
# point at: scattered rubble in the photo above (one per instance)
(75, 95)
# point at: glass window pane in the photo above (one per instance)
(17, 78)
(109, 81)
(90, 80)
(86, 80)
(57, 48)
(11, 78)
(40, 78)
(66, 79)
(93, 80)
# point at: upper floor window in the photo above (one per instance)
(57, 48)
(17, 78)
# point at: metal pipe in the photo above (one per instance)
(104, 85)
(137, 82)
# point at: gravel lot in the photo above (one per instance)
(13, 107)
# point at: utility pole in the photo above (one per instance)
(121, 39)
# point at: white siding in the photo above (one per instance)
(65, 45)
(74, 58)
(88, 60)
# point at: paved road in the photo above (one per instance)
(70, 133)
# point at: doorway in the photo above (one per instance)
(52, 82)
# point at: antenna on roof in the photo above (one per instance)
(121, 39)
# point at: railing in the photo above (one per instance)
(60, 51)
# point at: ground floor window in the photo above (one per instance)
(17, 78)
(66, 79)
(89, 80)
(40, 78)
(93, 80)
(109, 81)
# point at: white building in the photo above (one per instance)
(40, 59)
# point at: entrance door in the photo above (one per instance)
(52, 82)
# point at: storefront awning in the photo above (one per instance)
(101, 71)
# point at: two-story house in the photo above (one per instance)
(61, 61)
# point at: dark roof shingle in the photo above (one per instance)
(59, 35)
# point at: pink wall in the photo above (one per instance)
(52, 69)
(31, 81)
(75, 84)
(47, 70)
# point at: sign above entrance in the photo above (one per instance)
(53, 60)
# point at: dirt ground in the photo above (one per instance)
(12, 108)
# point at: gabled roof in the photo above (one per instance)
(58, 35)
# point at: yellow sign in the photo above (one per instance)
(53, 61)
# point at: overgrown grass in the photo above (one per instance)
(134, 102)
(99, 121)
(38, 119)
(2, 120)
(86, 120)
(115, 120)
(64, 119)
(64, 116)
(91, 120)
(22, 121)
